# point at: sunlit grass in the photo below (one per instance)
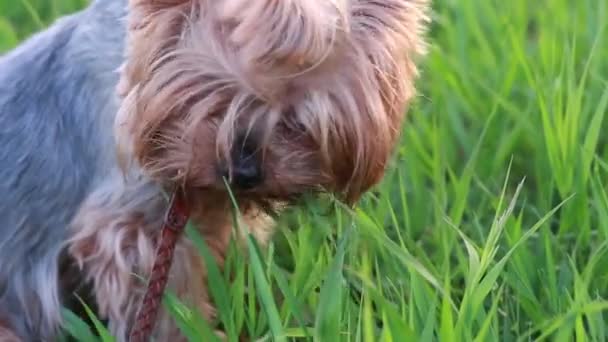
(492, 224)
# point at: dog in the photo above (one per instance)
(108, 109)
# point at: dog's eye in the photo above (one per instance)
(292, 123)
(299, 127)
(295, 127)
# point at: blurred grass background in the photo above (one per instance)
(448, 248)
(19, 18)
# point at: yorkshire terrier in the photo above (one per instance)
(109, 108)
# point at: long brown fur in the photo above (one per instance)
(6, 332)
(322, 85)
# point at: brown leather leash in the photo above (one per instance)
(174, 224)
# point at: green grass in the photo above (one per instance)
(491, 226)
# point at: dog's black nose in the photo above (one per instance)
(246, 174)
(246, 168)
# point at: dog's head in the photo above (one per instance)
(281, 97)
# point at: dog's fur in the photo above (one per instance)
(311, 92)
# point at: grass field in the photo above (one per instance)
(491, 226)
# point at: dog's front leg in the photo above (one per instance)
(113, 241)
(114, 237)
(6, 333)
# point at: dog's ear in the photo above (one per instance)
(151, 27)
(151, 6)
(392, 32)
(142, 13)
(387, 36)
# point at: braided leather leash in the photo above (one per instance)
(175, 221)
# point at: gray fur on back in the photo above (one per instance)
(57, 105)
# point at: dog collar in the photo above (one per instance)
(175, 221)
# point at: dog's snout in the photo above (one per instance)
(247, 174)
(246, 166)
